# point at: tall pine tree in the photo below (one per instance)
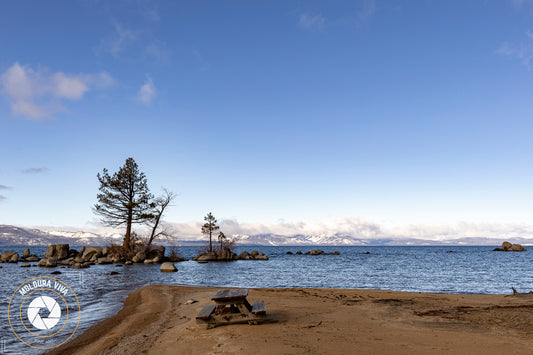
(124, 199)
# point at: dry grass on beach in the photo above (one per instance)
(157, 320)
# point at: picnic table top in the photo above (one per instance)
(225, 295)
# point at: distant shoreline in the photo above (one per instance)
(157, 319)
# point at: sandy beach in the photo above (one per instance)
(157, 320)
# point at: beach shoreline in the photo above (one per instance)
(158, 319)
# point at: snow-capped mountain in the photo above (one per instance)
(12, 235)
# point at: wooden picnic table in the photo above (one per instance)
(231, 306)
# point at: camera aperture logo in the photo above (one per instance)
(44, 312)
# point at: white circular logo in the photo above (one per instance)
(44, 305)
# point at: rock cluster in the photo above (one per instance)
(14, 257)
(227, 255)
(506, 246)
(315, 252)
(62, 255)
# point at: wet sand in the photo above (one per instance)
(157, 320)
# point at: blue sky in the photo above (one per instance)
(395, 112)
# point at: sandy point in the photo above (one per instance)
(158, 320)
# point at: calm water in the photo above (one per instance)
(419, 269)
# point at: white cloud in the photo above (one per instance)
(359, 228)
(37, 94)
(147, 92)
(312, 22)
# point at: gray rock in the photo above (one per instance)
(14, 258)
(57, 251)
(26, 253)
(254, 253)
(105, 251)
(48, 262)
(92, 252)
(315, 252)
(139, 257)
(506, 246)
(32, 258)
(148, 261)
(168, 267)
(81, 251)
(244, 255)
(6, 256)
(104, 260)
(261, 256)
(128, 262)
(154, 251)
(25, 265)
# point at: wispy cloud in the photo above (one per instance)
(149, 10)
(119, 40)
(38, 94)
(147, 92)
(4, 187)
(157, 51)
(2, 198)
(35, 170)
(522, 51)
(204, 64)
(312, 22)
(367, 10)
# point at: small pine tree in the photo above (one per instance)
(209, 227)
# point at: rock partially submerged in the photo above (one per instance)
(168, 267)
(506, 246)
(254, 255)
(315, 252)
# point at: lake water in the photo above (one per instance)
(466, 269)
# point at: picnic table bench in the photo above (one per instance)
(231, 306)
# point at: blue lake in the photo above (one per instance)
(467, 269)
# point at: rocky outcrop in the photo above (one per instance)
(92, 253)
(155, 252)
(9, 257)
(315, 252)
(219, 255)
(26, 253)
(139, 257)
(168, 267)
(254, 255)
(227, 255)
(506, 246)
(57, 251)
(104, 260)
(48, 262)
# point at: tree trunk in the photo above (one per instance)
(127, 237)
(210, 244)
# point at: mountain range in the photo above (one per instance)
(13, 235)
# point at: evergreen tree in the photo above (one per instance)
(222, 239)
(209, 227)
(124, 199)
